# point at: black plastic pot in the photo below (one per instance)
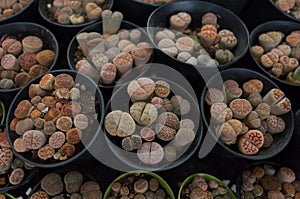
(86, 141)
(249, 167)
(285, 27)
(97, 27)
(235, 6)
(160, 19)
(25, 29)
(243, 75)
(20, 15)
(121, 101)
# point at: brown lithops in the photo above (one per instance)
(34, 139)
(240, 108)
(52, 184)
(275, 124)
(63, 81)
(57, 139)
(251, 142)
(270, 39)
(73, 136)
(286, 174)
(6, 157)
(46, 152)
(278, 102)
(253, 120)
(23, 109)
(32, 44)
(39, 195)
(45, 57)
(252, 86)
(220, 112)
(213, 95)
(166, 126)
(229, 131)
(162, 88)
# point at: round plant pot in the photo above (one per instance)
(19, 15)
(241, 76)
(88, 135)
(107, 89)
(121, 101)
(43, 10)
(25, 29)
(159, 19)
(207, 177)
(261, 164)
(285, 27)
(161, 181)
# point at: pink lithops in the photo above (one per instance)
(275, 124)
(220, 112)
(240, 108)
(167, 126)
(142, 53)
(233, 93)
(123, 62)
(278, 102)
(6, 157)
(147, 134)
(57, 139)
(150, 153)
(10, 62)
(16, 176)
(34, 139)
(141, 88)
(180, 21)
(208, 35)
(108, 73)
(286, 174)
(214, 95)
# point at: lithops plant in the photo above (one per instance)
(246, 117)
(266, 180)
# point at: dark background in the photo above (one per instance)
(218, 163)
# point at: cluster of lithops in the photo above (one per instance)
(157, 1)
(9, 8)
(70, 185)
(107, 57)
(200, 187)
(76, 11)
(137, 185)
(291, 7)
(154, 118)
(22, 59)
(12, 169)
(245, 116)
(205, 46)
(51, 123)
(266, 181)
(279, 54)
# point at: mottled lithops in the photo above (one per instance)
(263, 110)
(270, 39)
(278, 102)
(240, 108)
(220, 112)
(34, 139)
(132, 142)
(162, 89)
(73, 181)
(143, 113)
(252, 86)
(213, 95)
(166, 126)
(118, 123)
(229, 131)
(251, 142)
(6, 157)
(52, 184)
(141, 88)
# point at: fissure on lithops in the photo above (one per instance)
(156, 127)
